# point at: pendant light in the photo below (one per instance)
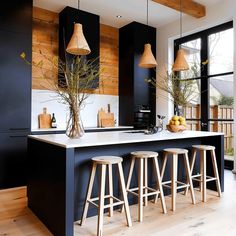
(180, 63)
(147, 59)
(78, 44)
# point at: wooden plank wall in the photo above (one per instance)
(45, 39)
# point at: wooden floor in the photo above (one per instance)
(216, 217)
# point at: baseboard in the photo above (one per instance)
(13, 194)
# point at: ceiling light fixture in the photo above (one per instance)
(78, 44)
(180, 63)
(118, 16)
(147, 59)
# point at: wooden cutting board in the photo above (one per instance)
(106, 119)
(45, 119)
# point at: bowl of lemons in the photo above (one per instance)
(177, 124)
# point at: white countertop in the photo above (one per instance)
(86, 128)
(116, 137)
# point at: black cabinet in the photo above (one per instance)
(16, 16)
(91, 29)
(15, 92)
(13, 152)
(15, 82)
(134, 91)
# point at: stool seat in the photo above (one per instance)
(106, 160)
(176, 150)
(144, 154)
(204, 147)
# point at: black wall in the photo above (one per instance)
(133, 90)
(15, 90)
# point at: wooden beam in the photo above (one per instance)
(189, 7)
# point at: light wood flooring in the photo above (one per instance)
(216, 217)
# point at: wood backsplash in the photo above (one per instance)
(45, 39)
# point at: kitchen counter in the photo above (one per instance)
(59, 168)
(87, 129)
(118, 137)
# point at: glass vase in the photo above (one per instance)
(75, 128)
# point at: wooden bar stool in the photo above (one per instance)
(143, 190)
(203, 177)
(175, 152)
(106, 161)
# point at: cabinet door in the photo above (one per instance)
(13, 151)
(15, 82)
(16, 15)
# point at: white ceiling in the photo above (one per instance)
(130, 10)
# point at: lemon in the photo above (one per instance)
(177, 122)
(182, 123)
(175, 118)
(172, 122)
(181, 119)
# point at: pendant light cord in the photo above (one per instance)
(78, 4)
(181, 16)
(147, 35)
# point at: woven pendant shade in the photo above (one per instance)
(147, 60)
(78, 44)
(180, 62)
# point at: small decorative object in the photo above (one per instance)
(53, 121)
(176, 124)
(160, 122)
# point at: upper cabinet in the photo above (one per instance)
(16, 16)
(91, 29)
(15, 74)
(134, 92)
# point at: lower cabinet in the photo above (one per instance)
(13, 153)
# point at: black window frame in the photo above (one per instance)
(204, 77)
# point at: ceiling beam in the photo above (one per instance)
(189, 7)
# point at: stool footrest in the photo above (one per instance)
(183, 185)
(208, 178)
(93, 200)
(153, 191)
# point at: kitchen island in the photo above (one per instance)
(59, 168)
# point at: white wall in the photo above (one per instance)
(49, 99)
(222, 12)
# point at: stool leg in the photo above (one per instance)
(215, 168)
(101, 201)
(145, 181)
(188, 172)
(163, 204)
(174, 180)
(203, 174)
(124, 192)
(192, 166)
(162, 172)
(89, 193)
(140, 191)
(110, 180)
(131, 169)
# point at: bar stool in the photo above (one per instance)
(143, 190)
(203, 177)
(175, 152)
(104, 162)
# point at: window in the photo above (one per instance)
(210, 55)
